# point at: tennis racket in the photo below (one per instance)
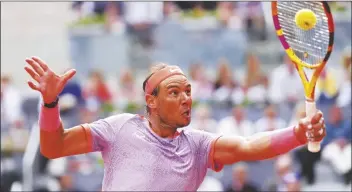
(308, 49)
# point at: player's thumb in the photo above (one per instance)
(68, 75)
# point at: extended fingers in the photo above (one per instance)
(35, 66)
(42, 64)
(33, 74)
(33, 86)
(68, 75)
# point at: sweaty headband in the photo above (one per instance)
(160, 76)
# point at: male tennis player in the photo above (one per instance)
(149, 153)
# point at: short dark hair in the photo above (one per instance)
(155, 68)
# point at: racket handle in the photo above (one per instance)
(310, 111)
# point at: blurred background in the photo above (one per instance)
(241, 79)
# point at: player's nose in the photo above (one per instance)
(186, 99)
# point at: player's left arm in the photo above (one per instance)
(265, 145)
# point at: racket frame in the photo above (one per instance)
(309, 86)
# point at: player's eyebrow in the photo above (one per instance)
(172, 86)
(177, 86)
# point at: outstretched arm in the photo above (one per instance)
(265, 145)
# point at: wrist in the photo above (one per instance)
(284, 140)
(51, 104)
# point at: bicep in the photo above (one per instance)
(77, 140)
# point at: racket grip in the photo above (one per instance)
(311, 109)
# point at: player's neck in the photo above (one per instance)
(160, 128)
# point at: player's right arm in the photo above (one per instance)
(56, 141)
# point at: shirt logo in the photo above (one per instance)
(174, 70)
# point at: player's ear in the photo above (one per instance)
(151, 101)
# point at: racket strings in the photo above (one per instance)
(310, 45)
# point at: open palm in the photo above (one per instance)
(49, 84)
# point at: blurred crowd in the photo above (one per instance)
(138, 16)
(226, 101)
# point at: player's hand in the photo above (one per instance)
(49, 84)
(311, 129)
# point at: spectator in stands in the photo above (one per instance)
(188, 5)
(228, 16)
(226, 88)
(201, 86)
(170, 9)
(18, 137)
(96, 87)
(127, 91)
(11, 101)
(203, 120)
(344, 97)
(240, 181)
(141, 17)
(236, 124)
(224, 75)
(288, 180)
(254, 73)
(97, 10)
(256, 83)
(281, 78)
(270, 121)
(113, 12)
(96, 93)
(253, 16)
(327, 87)
(337, 144)
(83, 9)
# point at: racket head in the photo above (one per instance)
(305, 48)
(311, 48)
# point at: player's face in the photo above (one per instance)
(174, 101)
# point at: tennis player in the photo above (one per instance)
(150, 153)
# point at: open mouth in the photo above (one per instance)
(187, 113)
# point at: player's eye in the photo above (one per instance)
(174, 93)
